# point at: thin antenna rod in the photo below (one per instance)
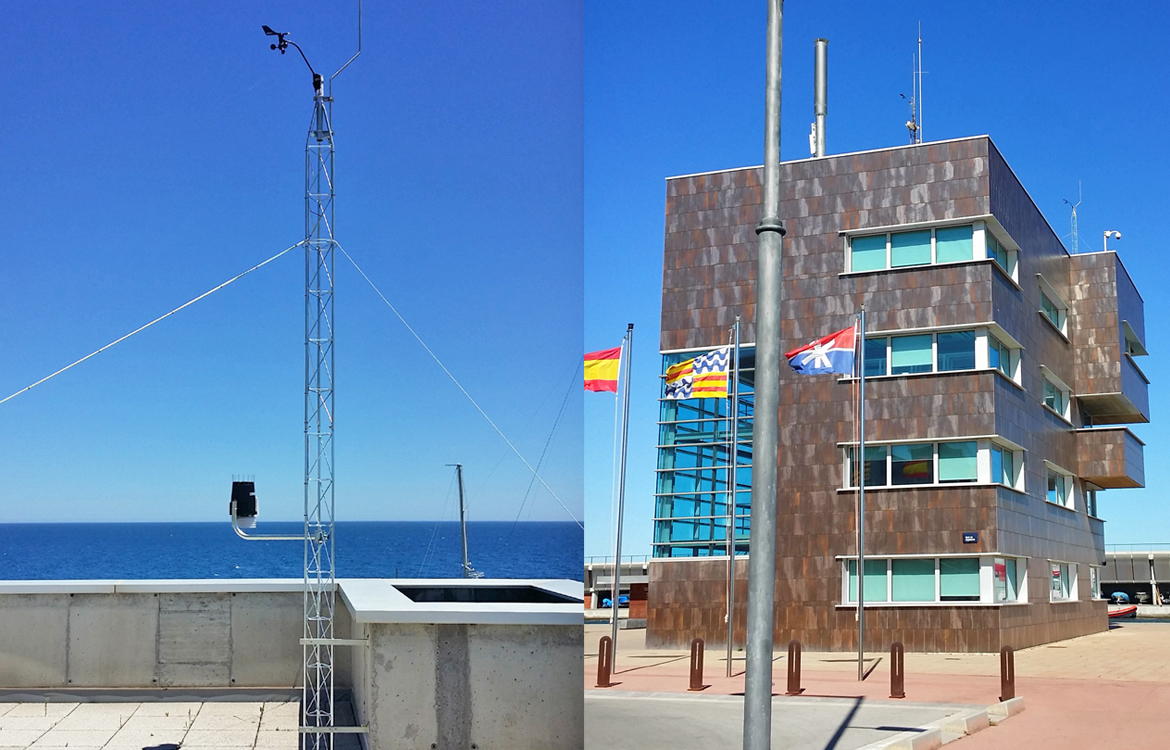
(919, 131)
(347, 62)
(1075, 232)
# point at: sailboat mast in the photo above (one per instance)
(463, 521)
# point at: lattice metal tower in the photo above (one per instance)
(320, 596)
(318, 641)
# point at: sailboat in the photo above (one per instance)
(468, 571)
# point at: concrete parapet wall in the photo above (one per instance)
(460, 685)
(448, 664)
(170, 637)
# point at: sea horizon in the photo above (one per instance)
(139, 550)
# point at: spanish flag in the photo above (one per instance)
(601, 370)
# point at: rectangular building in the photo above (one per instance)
(999, 368)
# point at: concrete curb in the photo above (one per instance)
(938, 733)
(1001, 711)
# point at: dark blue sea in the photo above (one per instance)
(364, 549)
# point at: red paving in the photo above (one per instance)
(1060, 713)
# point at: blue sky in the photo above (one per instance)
(1068, 95)
(154, 150)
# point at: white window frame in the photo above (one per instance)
(1021, 581)
(984, 334)
(983, 448)
(1095, 584)
(1012, 250)
(1071, 567)
(1090, 499)
(1048, 291)
(986, 580)
(1069, 482)
(1016, 481)
(1065, 393)
(981, 226)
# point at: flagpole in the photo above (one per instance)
(761, 595)
(732, 486)
(627, 356)
(861, 509)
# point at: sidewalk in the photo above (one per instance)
(1079, 693)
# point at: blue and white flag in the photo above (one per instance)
(833, 353)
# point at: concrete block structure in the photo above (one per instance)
(430, 663)
(1000, 372)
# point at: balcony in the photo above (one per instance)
(1108, 330)
(1110, 458)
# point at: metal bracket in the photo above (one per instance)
(261, 537)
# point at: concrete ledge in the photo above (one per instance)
(149, 695)
(160, 586)
(965, 724)
(373, 601)
(1001, 711)
(938, 733)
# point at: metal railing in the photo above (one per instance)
(608, 559)
(1151, 547)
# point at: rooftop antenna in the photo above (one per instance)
(920, 118)
(317, 704)
(816, 139)
(914, 124)
(1075, 235)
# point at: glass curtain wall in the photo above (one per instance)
(691, 511)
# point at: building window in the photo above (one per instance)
(1063, 582)
(1094, 582)
(912, 464)
(1003, 257)
(910, 354)
(959, 579)
(1091, 501)
(1052, 307)
(910, 249)
(869, 253)
(1060, 485)
(1002, 357)
(1057, 395)
(917, 580)
(913, 580)
(956, 351)
(691, 499)
(876, 580)
(1007, 579)
(921, 247)
(953, 244)
(942, 351)
(958, 462)
(1006, 465)
(908, 464)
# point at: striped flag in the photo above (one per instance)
(601, 369)
(701, 377)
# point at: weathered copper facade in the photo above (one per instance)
(708, 278)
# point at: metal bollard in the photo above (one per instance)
(604, 661)
(897, 670)
(794, 687)
(697, 666)
(1007, 673)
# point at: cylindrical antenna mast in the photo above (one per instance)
(821, 94)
